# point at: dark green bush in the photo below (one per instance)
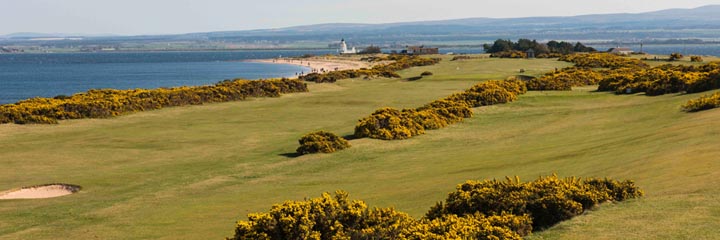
(321, 142)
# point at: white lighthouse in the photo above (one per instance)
(344, 48)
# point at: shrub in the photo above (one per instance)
(371, 50)
(321, 142)
(476, 210)
(547, 200)
(509, 54)
(602, 60)
(675, 57)
(565, 79)
(399, 62)
(703, 103)
(484, 94)
(108, 103)
(389, 124)
(426, 73)
(337, 217)
(392, 124)
(696, 59)
(706, 82)
(662, 79)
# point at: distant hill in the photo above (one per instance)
(697, 23)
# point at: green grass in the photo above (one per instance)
(191, 172)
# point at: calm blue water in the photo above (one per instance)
(25, 76)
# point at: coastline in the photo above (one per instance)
(317, 65)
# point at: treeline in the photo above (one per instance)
(509, 49)
(108, 103)
(400, 62)
(489, 209)
(393, 124)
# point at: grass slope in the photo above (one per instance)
(191, 172)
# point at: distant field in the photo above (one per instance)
(191, 172)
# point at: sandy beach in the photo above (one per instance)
(319, 65)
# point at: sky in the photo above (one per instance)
(137, 17)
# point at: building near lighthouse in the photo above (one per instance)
(344, 48)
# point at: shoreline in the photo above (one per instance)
(317, 65)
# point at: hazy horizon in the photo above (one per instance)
(135, 17)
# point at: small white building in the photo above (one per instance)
(344, 48)
(621, 51)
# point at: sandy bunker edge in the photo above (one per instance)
(40, 191)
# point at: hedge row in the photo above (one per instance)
(521, 54)
(628, 76)
(547, 200)
(477, 210)
(108, 103)
(399, 62)
(393, 124)
(703, 103)
(602, 60)
(662, 80)
(565, 79)
(321, 142)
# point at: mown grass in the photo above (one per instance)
(191, 172)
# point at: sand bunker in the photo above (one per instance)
(41, 191)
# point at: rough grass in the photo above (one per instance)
(191, 172)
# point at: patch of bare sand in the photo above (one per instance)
(41, 191)
(320, 64)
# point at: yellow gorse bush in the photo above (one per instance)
(108, 103)
(393, 124)
(321, 142)
(602, 60)
(547, 200)
(703, 103)
(399, 62)
(565, 79)
(477, 210)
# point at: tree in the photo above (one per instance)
(371, 50)
(675, 57)
(499, 46)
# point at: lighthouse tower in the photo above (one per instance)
(344, 48)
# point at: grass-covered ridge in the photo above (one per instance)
(191, 172)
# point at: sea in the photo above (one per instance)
(24, 76)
